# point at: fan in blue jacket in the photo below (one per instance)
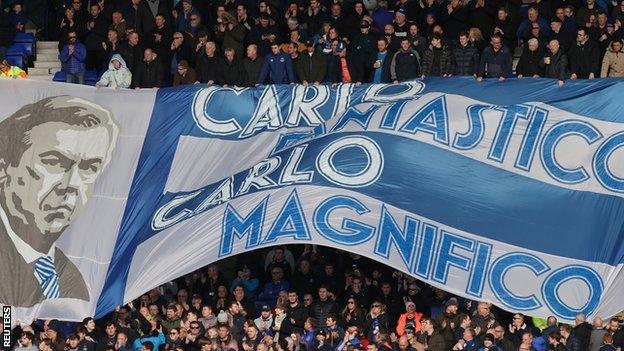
(277, 67)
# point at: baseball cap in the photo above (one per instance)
(266, 308)
(364, 24)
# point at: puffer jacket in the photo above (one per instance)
(116, 78)
(612, 64)
(437, 62)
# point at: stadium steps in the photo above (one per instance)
(47, 62)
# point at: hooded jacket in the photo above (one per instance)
(116, 78)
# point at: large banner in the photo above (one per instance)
(509, 192)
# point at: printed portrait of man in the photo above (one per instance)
(51, 153)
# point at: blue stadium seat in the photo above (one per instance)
(18, 60)
(25, 48)
(90, 77)
(24, 38)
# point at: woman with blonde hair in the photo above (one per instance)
(476, 38)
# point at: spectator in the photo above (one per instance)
(417, 41)
(149, 73)
(231, 34)
(410, 318)
(73, 56)
(607, 343)
(119, 24)
(597, 333)
(556, 342)
(26, 342)
(322, 307)
(18, 18)
(435, 340)
(617, 332)
(556, 63)
(531, 61)
(272, 288)
(363, 48)
(184, 75)
(381, 65)
(117, 76)
(506, 29)
(146, 12)
(180, 50)
(584, 57)
(454, 19)
(496, 60)
(532, 17)
(382, 16)
(277, 69)
(207, 64)
(182, 16)
(314, 18)
(584, 14)
(437, 60)
(488, 343)
(349, 69)
(468, 342)
(131, 51)
(311, 69)
(96, 28)
(465, 57)
(613, 62)
(572, 342)
(582, 330)
(405, 63)
(8, 71)
(160, 36)
(111, 46)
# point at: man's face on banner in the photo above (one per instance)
(55, 175)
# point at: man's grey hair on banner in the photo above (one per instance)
(74, 111)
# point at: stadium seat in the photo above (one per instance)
(25, 48)
(90, 77)
(24, 38)
(18, 60)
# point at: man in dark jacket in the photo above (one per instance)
(160, 37)
(7, 31)
(252, 64)
(149, 74)
(584, 57)
(132, 52)
(582, 330)
(531, 61)
(145, 19)
(496, 60)
(311, 66)
(322, 307)
(405, 63)
(381, 65)
(230, 70)
(277, 67)
(349, 68)
(437, 59)
(465, 57)
(556, 63)
(95, 32)
(207, 62)
(363, 47)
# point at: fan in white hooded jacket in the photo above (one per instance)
(117, 75)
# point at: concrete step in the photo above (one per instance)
(38, 71)
(41, 51)
(47, 57)
(47, 45)
(56, 65)
(47, 77)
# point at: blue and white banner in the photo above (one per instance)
(509, 192)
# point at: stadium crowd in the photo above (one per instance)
(309, 298)
(155, 43)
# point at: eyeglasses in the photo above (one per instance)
(350, 302)
(173, 333)
(194, 327)
(376, 305)
(409, 332)
(194, 19)
(307, 299)
(177, 37)
(72, 37)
